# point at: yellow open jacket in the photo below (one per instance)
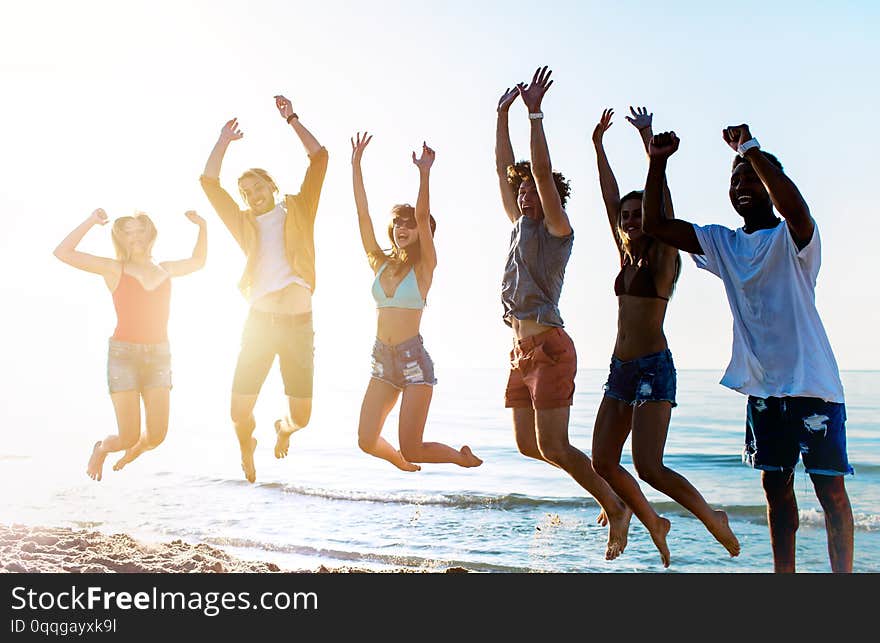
(299, 226)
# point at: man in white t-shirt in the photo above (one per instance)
(781, 356)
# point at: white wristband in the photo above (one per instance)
(749, 144)
(536, 116)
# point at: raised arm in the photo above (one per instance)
(67, 252)
(228, 133)
(504, 153)
(673, 232)
(199, 253)
(643, 122)
(786, 197)
(285, 108)
(365, 223)
(607, 182)
(423, 216)
(542, 170)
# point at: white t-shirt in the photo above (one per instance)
(780, 348)
(272, 270)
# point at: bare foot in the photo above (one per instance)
(659, 538)
(618, 532)
(130, 455)
(96, 462)
(602, 518)
(247, 460)
(403, 464)
(470, 460)
(283, 431)
(724, 534)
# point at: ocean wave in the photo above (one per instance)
(359, 559)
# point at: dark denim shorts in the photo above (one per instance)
(650, 378)
(779, 429)
(403, 364)
(137, 367)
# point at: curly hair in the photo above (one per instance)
(522, 171)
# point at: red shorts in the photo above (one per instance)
(542, 370)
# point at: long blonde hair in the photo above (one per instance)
(398, 257)
(122, 251)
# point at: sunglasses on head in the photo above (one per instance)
(401, 222)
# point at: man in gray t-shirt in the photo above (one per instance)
(543, 361)
(781, 357)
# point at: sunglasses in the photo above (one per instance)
(400, 222)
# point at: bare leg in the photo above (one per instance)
(782, 516)
(413, 415)
(551, 427)
(300, 414)
(650, 428)
(613, 422)
(527, 443)
(378, 402)
(127, 405)
(156, 410)
(831, 492)
(242, 413)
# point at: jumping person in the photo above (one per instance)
(543, 361)
(640, 390)
(139, 354)
(781, 357)
(401, 365)
(278, 240)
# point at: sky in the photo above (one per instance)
(118, 104)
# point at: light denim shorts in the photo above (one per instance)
(403, 364)
(137, 367)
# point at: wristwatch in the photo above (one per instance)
(535, 116)
(749, 144)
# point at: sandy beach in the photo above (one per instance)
(26, 549)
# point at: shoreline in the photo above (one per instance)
(32, 550)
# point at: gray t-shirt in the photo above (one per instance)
(534, 273)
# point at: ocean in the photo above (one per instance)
(330, 504)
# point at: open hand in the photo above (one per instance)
(507, 99)
(358, 145)
(663, 145)
(736, 135)
(195, 218)
(602, 126)
(640, 117)
(426, 160)
(230, 131)
(285, 107)
(533, 93)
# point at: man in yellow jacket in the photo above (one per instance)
(277, 237)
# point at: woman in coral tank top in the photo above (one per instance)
(139, 359)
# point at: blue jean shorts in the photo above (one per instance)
(137, 367)
(779, 429)
(403, 364)
(650, 378)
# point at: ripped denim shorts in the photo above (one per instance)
(650, 378)
(403, 364)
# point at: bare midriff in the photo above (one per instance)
(395, 325)
(293, 299)
(527, 327)
(639, 327)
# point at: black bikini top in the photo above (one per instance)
(641, 284)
